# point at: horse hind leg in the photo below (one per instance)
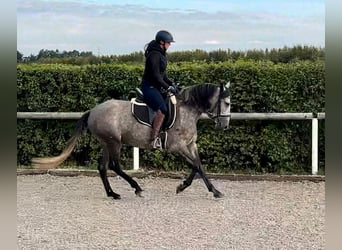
(114, 158)
(103, 174)
(114, 165)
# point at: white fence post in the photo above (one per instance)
(314, 146)
(135, 158)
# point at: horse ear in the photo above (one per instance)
(225, 90)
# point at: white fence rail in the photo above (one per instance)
(235, 116)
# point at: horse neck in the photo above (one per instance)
(189, 113)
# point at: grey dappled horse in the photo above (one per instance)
(113, 124)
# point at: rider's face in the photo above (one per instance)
(166, 45)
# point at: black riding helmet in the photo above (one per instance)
(165, 36)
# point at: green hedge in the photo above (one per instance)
(252, 146)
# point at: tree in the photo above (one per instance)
(19, 57)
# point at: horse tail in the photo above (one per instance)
(53, 162)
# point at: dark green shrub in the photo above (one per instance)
(248, 146)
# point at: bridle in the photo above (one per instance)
(218, 114)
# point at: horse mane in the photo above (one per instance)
(198, 95)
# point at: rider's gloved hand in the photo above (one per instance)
(172, 90)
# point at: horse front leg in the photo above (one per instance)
(210, 186)
(192, 156)
(187, 181)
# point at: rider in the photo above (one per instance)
(154, 80)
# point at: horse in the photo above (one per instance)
(113, 125)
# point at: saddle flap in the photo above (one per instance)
(145, 115)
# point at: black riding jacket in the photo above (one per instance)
(155, 66)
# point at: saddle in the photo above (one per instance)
(145, 115)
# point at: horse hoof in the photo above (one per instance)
(218, 195)
(139, 193)
(116, 196)
(179, 189)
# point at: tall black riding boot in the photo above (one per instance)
(157, 123)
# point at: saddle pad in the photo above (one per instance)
(141, 112)
(145, 114)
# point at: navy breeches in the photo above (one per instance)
(154, 98)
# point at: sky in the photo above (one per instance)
(116, 27)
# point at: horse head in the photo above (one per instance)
(210, 99)
(220, 112)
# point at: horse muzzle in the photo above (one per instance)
(222, 123)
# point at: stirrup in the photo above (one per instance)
(157, 144)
